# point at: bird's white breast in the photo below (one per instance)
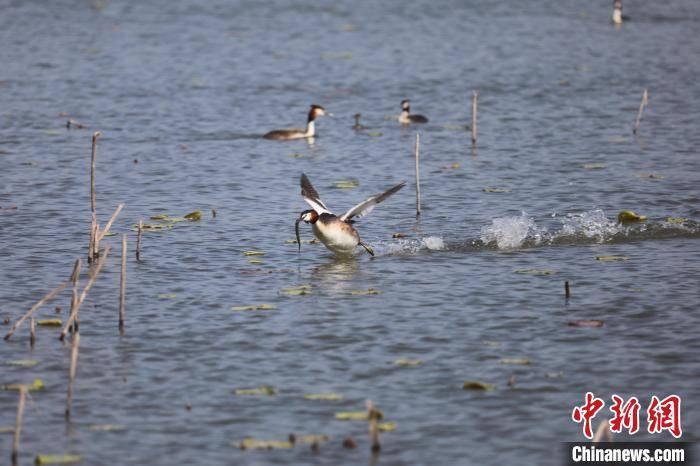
(335, 238)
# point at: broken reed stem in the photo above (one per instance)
(567, 290)
(32, 332)
(417, 174)
(122, 287)
(74, 297)
(52, 294)
(138, 241)
(475, 96)
(93, 276)
(643, 103)
(373, 416)
(71, 374)
(93, 201)
(18, 423)
(101, 233)
(603, 431)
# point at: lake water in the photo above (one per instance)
(186, 89)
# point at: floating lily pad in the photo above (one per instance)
(374, 134)
(386, 426)
(451, 167)
(477, 385)
(256, 307)
(517, 361)
(408, 362)
(369, 291)
(594, 166)
(261, 390)
(452, 127)
(496, 190)
(106, 427)
(325, 396)
(296, 155)
(57, 459)
(611, 258)
(300, 290)
(254, 253)
(536, 271)
(22, 362)
(586, 323)
(650, 176)
(676, 220)
(167, 296)
(254, 444)
(618, 139)
(627, 216)
(7, 430)
(36, 385)
(346, 184)
(194, 216)
(152, 227)
(159, 217)
(312, 439)
(255, 261)
(49, 322)
(356, 415)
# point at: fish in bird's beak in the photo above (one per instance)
(296, 230)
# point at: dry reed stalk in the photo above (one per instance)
(122, 287)
(373, 416)
(52, 294)
(475, 96)
(101, 233)
(91, 281)
(138, 241)
(642, 104)
(74, 296)
(417, 174)
(32, 332)
(18, 423)
(603, 431)
(71, 375)
(567, 290)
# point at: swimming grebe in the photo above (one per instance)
(296, 133)
(617, 12)
(405, 117)
(358, 126)
(337, 233)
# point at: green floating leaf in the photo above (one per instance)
(348, 28)
(346, 184)
(255, 307)
(336, 55)
(167, 296)
(22, 362)
(408, 362)
(586, 323)
(618, 139)
(312, 439)
(194, 216)
(49, 322)
(536, 271)
(454, 166)
(57, 459)
(296, 155)
(611, 258)
(477, 385)
(650, 176)
(452, 127)
(627, 216)
(261, 390)
(676, 220)
(374, 134)
(517, 361)
(325, 396)
(386, 426)
(255, 261)
(496, 190)
(106, 427)
(355, 415)
(152, 227)
(368, 291)
(594, 166)
(492, 343)
(7, 430)
(253, 253)
(159, 217)
(250, 443)
(36, 385)
(300, 290)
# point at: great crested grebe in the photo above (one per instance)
(297, 133)
(406, 118)
(337, 233)
(617, 12)
(358, 126)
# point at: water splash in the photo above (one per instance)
(512, 232)
(411, 246)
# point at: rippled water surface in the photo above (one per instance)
(181, 92)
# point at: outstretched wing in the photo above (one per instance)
(367, 206)
(311, 196)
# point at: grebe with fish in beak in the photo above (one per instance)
(337, 233)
